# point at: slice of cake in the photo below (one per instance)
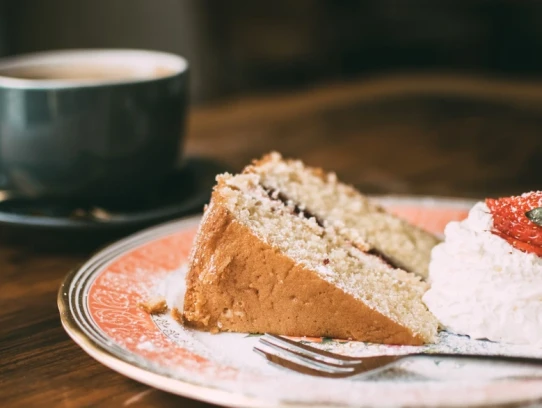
(266, 260)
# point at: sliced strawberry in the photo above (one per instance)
(522, 246)
(511, 223)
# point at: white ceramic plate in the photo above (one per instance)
(99, 310)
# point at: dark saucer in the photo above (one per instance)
(58, 224)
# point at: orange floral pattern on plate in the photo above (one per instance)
(431, 219)
(117, 290)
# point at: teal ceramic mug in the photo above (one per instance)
(90, 123)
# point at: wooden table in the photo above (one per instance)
(462, 137)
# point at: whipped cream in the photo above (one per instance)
(483, 287)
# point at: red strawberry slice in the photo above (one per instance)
(511, 223)
(522, 246)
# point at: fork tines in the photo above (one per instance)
(309, 360)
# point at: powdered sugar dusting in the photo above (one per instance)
(416, 377)
(146, 345)
(172, 287)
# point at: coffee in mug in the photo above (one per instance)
(83, 72)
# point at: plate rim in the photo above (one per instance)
(183, 387)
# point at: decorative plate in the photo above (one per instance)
(99, 309)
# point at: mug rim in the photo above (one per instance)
(146, 59)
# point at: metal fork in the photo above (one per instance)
(305, 359)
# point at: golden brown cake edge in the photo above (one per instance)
(236, 282)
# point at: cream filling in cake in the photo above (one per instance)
(350, 213)
(392, 292)
(483, 287)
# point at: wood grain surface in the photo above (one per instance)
(406, 136)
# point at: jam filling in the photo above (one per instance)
(387, 260)
(279, 196)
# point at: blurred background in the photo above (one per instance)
(243, 46)
(294, 76)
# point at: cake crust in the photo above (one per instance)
(237, 282)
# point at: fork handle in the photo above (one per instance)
(484, 357)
